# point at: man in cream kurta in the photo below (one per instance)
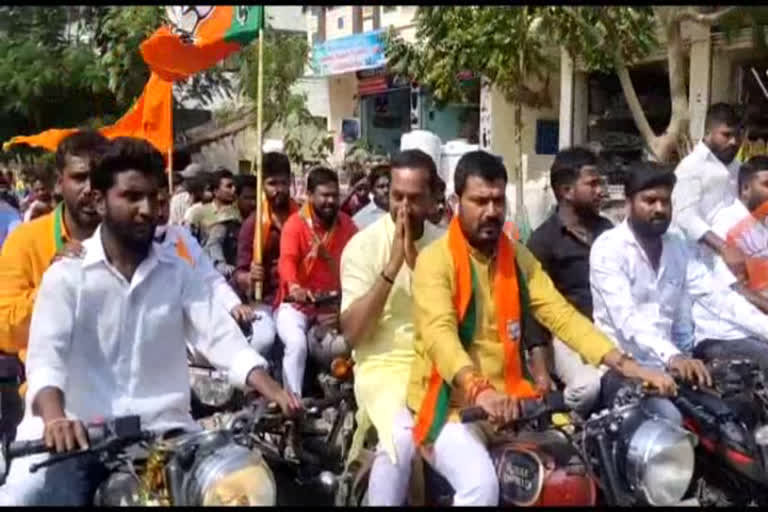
(377, 312)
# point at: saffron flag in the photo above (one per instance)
(150, 118)
(199, 37)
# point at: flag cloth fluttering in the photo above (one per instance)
(150, 118)
(208, 35)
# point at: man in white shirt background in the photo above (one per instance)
(705, 199)
(644, 281)
(378, 180)
(106, 335)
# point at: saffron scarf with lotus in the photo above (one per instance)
(510, 297)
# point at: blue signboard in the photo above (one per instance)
(351, 53)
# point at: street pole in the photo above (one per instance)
(256, 165)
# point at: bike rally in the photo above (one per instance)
(194, 316)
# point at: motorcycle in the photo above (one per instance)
(631, 453)
(212, 393)
(209, 468)
(306, 453)
(731, 425)
(638, 451)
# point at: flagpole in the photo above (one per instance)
(170, 172)
(257, 163)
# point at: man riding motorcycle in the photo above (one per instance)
(377, 318)
(107, 330)
(644, 281)
(470, 290)
(311, 243)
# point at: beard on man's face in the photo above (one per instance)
(652, 228)
(133, 236)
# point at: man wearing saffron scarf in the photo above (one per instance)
(310, 251)
(276, 207)
(471, 289)
(31, 248)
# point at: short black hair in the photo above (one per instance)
(377, 172)
(567, 166)
(243, 181)
(644, 175)
(276, 164)
(197, 184)
(83, 143)
(722, 113)
(221, 174)
(356, 176)
(748, 169)
(321, 176)
(416, 159)
(124, 154)
(480, 164)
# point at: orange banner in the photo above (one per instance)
(150, 118)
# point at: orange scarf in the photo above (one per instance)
(319, 248)
(266, 219)
(506, 291)
(757, 267)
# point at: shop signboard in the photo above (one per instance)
(346, 54)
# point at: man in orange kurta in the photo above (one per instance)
(31, 248)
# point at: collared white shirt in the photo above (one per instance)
(369, 214)
(180, 203)
(117, 348)
(649, 313)
(222, 291)
(705, 188)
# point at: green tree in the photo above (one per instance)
(505, 45)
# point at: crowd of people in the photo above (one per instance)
(108, 296)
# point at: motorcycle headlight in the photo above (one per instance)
(660, 461)
(234, 476)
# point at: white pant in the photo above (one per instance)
(292, 327)
(263, 329)
(582, 380)
(459, 454)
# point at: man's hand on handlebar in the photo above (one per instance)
(64, 435)
(657, 379)
(691, 370)
(299, 294)
(289, 403)
(501, 408)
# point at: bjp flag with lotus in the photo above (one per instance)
(200, 36)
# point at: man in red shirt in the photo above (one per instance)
(310, 251)
(276, 207)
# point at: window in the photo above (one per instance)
(389, 8)
(340, 23)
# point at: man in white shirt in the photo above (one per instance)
(643, 281)
(182, 201)
(378, 180)
(180, 242)
(705, 200)
(717, 337)
(106, 335)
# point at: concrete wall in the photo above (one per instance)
(342, 93)
(537, 197)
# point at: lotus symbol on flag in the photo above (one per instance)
(185, 19)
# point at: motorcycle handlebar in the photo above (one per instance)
(126, 428)
(320, 299)
(530, 409)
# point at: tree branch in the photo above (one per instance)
(643, 126)
(691, 14)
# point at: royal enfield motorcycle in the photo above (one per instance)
(209, 468)
(634, 453)
(730, 422)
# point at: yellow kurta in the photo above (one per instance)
(383, 357)
(436, 339)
